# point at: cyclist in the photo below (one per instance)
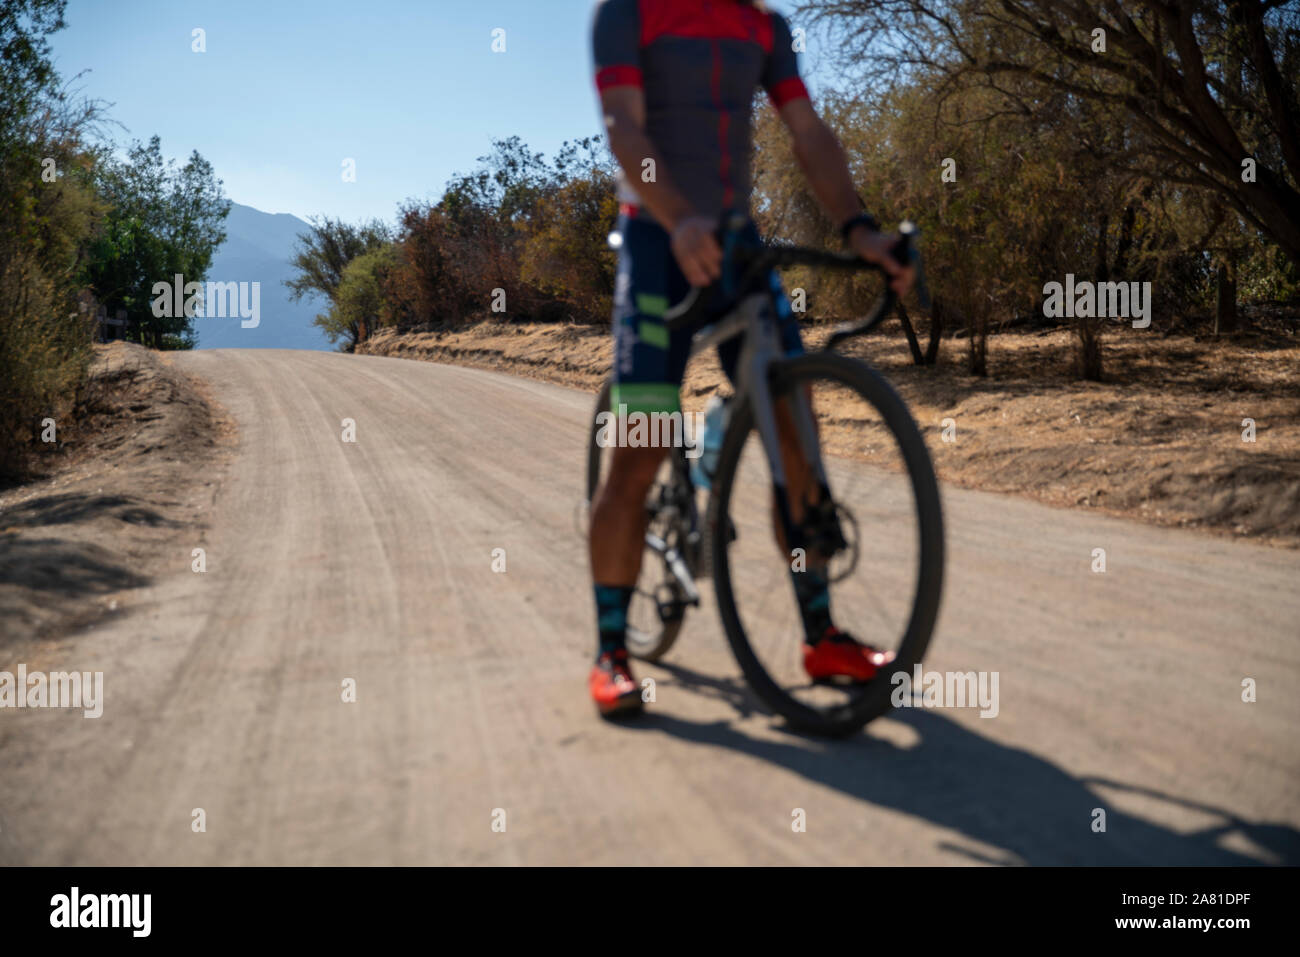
(676, 80)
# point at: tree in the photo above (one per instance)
(163, 221)
(47, 212)
(27, 75)
(517, 229)
(566, 241)
(1213, 86)
(362, 302)
(323, 253)
(508, 181)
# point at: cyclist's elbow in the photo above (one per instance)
(814, 144)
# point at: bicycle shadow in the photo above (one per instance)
(996, 794)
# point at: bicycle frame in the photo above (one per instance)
(777, 396)
(753, 316)
(673, 558)
(754, 319)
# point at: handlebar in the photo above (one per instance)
(753, 262)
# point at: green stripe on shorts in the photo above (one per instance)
(644, 397)
(650, 305)
(652, 333)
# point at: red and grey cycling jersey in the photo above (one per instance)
(699, 63)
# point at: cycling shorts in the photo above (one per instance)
(649, 361)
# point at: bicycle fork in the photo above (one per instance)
(757, 354)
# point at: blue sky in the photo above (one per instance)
(287, 89)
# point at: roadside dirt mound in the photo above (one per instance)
(575, 355)
(125, 493)
(1161, 439)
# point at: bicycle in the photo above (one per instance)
(680, 549)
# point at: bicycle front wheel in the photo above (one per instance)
(886, 573)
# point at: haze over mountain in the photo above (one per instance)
(258, 248)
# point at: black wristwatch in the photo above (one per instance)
(863, 218)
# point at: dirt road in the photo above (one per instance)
(373, 561)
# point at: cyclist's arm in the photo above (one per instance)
(624, 114)
(815, 146)
(822, 159)
(616, 50)
(821, 156)
(693, 244)
(824, 164)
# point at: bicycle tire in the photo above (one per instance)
(871, 386)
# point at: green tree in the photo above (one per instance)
(164, 220)
(323, 253)
(47, 213)
(507, 182)
(362, 303)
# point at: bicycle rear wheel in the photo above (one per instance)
(885, 584)
(658, 607)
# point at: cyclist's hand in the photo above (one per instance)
(875, 248)
(696, 250)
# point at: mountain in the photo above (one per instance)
(258, 248)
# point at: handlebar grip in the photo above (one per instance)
(905, 253)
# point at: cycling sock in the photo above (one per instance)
(814, 596)
(611, 616)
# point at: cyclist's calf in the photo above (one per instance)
(801, 486)
(618, 515)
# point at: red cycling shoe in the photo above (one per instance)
(612, 686)
(838, 655)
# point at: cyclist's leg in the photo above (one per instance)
(648, 369)
(809, 573)
(800, 481)
(828, 652)
(799, 475)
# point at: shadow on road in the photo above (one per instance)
(1000, 796)
(58, 558)
(70, 507)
